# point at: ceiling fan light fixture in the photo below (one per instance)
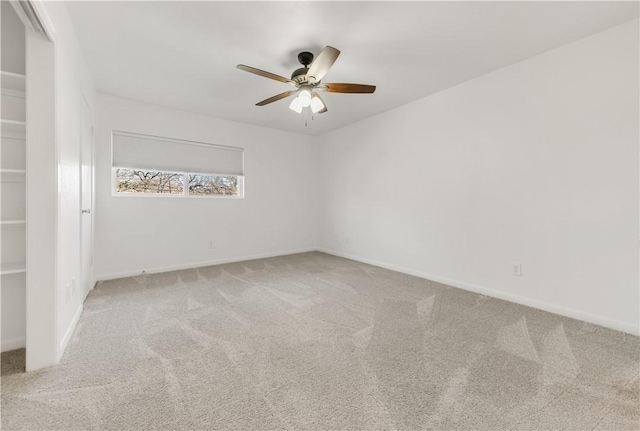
(306, 80)
(316, 104)
(304, 96)
(296, 105)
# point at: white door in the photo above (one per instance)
(86, 198)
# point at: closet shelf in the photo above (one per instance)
(13, 268)
(13, 175)
(13, 222)
(12, 93)
(13, 128)
(12, 81)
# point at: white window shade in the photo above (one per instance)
(136, 151)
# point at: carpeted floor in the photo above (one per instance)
(12, 362)
(316, 342)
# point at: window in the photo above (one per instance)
(225, 185)
(136, 181)
(150, 165)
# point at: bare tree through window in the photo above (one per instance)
(136, 181)
(213, 185)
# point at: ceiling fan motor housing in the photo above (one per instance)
(299, 75)
(305, 58)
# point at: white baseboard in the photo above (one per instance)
(13, 344)
(607, 322)
(112, 276)
(69, 333)
(615, 324)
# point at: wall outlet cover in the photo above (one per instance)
(516, 269)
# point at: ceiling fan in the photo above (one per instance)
(307, 81)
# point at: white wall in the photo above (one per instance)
(41, 203)
(277, 215)
(73, 84)
(535, 163)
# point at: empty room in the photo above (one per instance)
(319, 215)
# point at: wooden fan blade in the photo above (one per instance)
(322, 64)
(265, 74)
(276, 98)
(348, 88)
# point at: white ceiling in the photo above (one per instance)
(183, 54)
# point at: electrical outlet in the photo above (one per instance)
(516, 269)
(212, 245)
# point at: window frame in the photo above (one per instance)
(185, 179)
(185, 191)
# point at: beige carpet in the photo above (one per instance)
(315, 342)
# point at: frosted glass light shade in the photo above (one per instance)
(316, 104)
(304, 97)
(296, 105)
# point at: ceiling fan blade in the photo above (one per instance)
(265, 74)
(347, 88)
(322, 64)
(276, 98)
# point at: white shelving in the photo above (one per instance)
(12, 175)
(12, 81)
(13, 184)
(13, 128)
(13, 268)
(12, 222)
